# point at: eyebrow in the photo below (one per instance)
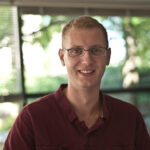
(93, 46)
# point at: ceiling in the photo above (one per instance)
(76, 7)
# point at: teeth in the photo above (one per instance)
(86, 71)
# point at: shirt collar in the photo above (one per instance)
(104, 106)
(64, 103)
(67, 109)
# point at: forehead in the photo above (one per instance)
(84, 36)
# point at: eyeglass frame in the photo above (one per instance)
(84, 50)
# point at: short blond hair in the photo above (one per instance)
(84, 22)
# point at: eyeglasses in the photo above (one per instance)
(80, 51)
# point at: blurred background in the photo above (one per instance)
(30, 37)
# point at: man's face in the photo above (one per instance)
(84, 71)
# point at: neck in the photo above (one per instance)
(82, 96)
(85, 103)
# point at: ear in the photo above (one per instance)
(108, 56)
(61, 56)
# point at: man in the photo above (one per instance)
(78, 116)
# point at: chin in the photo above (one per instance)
(89, 85)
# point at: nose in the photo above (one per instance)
(87, 57)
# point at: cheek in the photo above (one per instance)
(70, 62)
(70, 65)
(101, 67)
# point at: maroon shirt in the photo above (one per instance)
(50, 124)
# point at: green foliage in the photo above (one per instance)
(7, 123)
(144, 73)
(44, 84)
(141, 34)
(49, 26)
(5, 24)
(112, 78)
(143, 98)
(7, 84)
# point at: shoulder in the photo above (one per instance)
(123, 113)
(47, 105)
(47, 102)
(120, 107)
(41, 105)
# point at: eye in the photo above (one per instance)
(98, 51)
(76, 51)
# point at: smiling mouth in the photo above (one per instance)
(86, 71)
